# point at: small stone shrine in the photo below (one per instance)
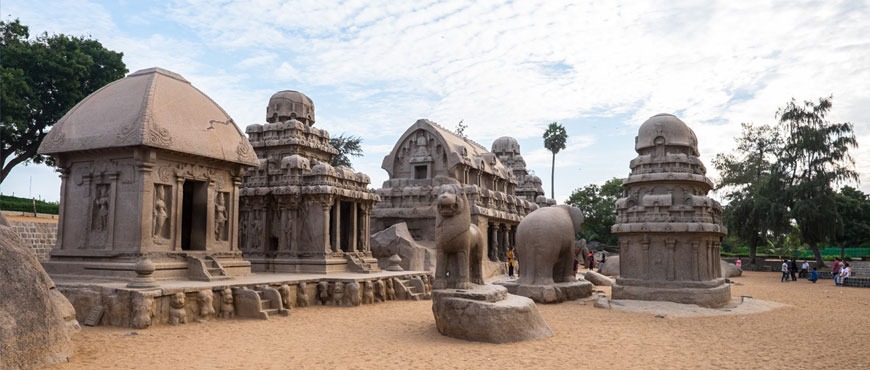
(423, 158)
(529, 187)
(150, 168)
(669, 230)
(298, 212)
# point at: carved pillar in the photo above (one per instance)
(175, 213)
(336, 225)
(233, 213)
(64, 188)
(670, 245)
(502, 243)
(326, 204)
(493, 243)
(110, 222)
(210, 242)
(696, 258)
(354, 224)
(644, 245)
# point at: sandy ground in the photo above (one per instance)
(812, 326)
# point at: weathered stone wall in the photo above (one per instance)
(39, 237)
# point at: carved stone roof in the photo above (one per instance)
(505, 145)
(459, 151)
(674, 131)
(151, 107)
(287, 104)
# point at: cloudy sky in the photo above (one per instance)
(503, 68)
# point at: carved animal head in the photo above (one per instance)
(451, 200)
(227, 296)
(177, 300)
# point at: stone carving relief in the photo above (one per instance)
(220, 216)
(391, 290)
(206, 304)
(352, 294)
(285, 292)
(323, 292)
(228, 310)
(160, 212)
(244, 151)
(158, 136)
(177, 313)
(142, 311)
(368, 293)
(381, 289)
(459, 243)
(337, 298)
(301, 297)
(101, 208)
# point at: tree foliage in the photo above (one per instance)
(347, 146)
(782, 178)
(756, 209)
(554, 140)
(854, 209)
(42, 79)
(599, 209)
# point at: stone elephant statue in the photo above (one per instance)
(545, 245)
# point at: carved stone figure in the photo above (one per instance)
(101, 208)
(160, 214)
(391, 290)
(546, 248)
(285, 296)
(177, 313)
(228, 309)
(427, 286)
(338, 294)
(323, 292)
(368, 296)
(301, 296)
(381, 289)
(220, 216)
(460, 244)
(205, 299)
(352, 294)
(142, 311)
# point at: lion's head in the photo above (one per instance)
(450, 200)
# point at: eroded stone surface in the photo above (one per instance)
(36, 321)
(597, 279)
(396, 239)
(481, 315)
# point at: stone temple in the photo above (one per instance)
(298, 212)
(150, 168)
(426, 156)
(507, 149)
(669, 230)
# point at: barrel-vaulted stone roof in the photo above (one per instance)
(459, 150)
(673, 130)
(151, 107)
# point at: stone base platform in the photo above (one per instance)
(141, 308)
(556, 293)
(717, 295)
(487, 314)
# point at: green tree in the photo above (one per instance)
(554, 140)
(42, 79)
(599, 209)
(460, 128)
(347, 146)
(854, 209)
(756, 209)
(814, 158)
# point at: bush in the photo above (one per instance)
(10, 203)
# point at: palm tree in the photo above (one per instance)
(554, 140)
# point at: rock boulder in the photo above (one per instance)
(730, 270)
(597, 279)
(611, 266)
(397, 239)
(36, 320)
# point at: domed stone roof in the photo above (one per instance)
(674, 131)
(151, 107)
(287, 104)
(505, 144)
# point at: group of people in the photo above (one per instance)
(840, 271)
(790, 270)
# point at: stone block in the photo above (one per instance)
(482, 315)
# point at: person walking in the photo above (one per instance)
(835, 271)
(739, 263)
(603, 259)
(792, 268)
(845, 272)
(784, 270)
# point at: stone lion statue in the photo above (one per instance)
(459, 244)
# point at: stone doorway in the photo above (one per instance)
(193, 215)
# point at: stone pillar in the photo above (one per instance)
(326, 205)
(493, 246)
(175, 213)
(670, 268)
(233, 213)
(354, 224)
(336, 225)
(64, 188)
(502, 245)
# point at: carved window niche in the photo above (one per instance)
(162, 213)
(421, 172)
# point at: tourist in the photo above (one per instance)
(805, 268)
(835, 271)
(784, 270)
(590, 261)
(739, 263)
(511, 261)
(601, 263)
(814, 275)
(845, 271)
(792, 268)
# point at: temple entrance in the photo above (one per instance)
(193, 215)
(348, 215)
